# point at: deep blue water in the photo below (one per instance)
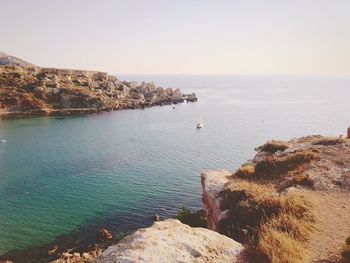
(59, 175)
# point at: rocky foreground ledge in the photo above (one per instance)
(172, 241)
(37, 90)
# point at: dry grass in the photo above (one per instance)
(245, 171)
(273, 147)
(329, 141)
(276, 225)
(276, 165)
(302, 179)
(279, 247)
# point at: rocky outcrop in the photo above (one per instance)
(13, 61)
(172, 241)
(257, 203)
(330, 170)
(35, 90)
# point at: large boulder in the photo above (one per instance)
(100, 76)
(131, 84)
(172, 241)
(169, 91)
(94, 84)
(150, 87)
(191, 97)
(160, 92)
(149, 96)
(177, 93)
(112, 78)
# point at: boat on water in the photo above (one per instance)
(3, 141)
(200, 125)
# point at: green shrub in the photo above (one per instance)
(193, 219)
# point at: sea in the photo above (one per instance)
(61, 178)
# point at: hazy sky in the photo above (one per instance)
(181, 36)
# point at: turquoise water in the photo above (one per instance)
(59, 175)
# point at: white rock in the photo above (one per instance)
(172, 241)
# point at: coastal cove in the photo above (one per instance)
(115, 170)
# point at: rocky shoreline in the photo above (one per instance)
(31, 90)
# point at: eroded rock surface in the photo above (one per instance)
(172, 241)
(213, 182)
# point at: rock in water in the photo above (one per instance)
(52, 250)
(172, 241)
(103, 234)
(156, 217)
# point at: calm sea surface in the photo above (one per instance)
(115, 170)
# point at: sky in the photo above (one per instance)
(180, 37)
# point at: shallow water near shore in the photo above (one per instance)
(59, 175)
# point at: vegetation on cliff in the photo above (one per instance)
(193, 219)
(276, 204)
(275, 225)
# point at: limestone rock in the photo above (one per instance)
(172, 241)
(191, 97)
(213, 182)
(149, 96)
(177, 93)
(112, 78)
(156, 217)
(169, 91)
(150, 86)
(103, 234)
(13, 61)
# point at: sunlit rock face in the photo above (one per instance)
(172, 241)
(213, 182)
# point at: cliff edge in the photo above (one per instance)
(289, 204)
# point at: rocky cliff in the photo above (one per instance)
(36, 90)
(288, 204)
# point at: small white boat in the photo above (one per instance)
(3, 141)
(200, 125)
